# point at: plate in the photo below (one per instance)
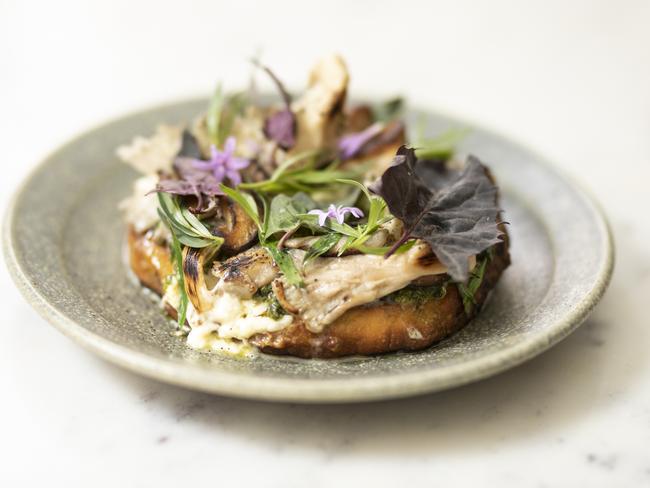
(64, 237)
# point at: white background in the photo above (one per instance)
(570, 79)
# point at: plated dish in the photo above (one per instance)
(311, 227)
(64, 244)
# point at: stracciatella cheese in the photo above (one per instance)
(141, 209)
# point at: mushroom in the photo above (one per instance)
(231, 222)
(196, 285)
(319, 112)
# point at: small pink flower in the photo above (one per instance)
(334, 212)
(223, 164)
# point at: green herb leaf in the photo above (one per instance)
(322, 245)
(286, 264)
(234, 106)
(285, 212)
(388, 110)
(287, 178)
(213, 116)
(440, 147)
(468, 291)
(177, 257)
(187, 228)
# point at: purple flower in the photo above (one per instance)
(223, 164)
(202, 178)
(334, 212)
(351, 144)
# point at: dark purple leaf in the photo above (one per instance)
(281, 128)
(198, 183)
(456, 214)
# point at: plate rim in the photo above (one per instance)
(306, 390)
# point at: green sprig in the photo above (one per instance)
(441, 146)
(468, 290)
(281, 257)
(290, 177)
(187, 228)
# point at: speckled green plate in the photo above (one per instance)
(63, 238)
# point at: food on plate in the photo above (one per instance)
(310, 227)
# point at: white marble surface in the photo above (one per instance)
(572, 79)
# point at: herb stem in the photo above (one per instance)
(400, 241)
(286, 236)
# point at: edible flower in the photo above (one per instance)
(223, 164)
(202, 178)
(334, 212)
(351, 144)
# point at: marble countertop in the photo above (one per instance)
(569, 79)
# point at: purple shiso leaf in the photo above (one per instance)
(351, 144)
(456, 214)
(222, 164)
(192, 181)
(281, 128)
(202, 178)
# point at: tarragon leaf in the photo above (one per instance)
(177, 257)
(285, 211)
(458, 220)
(286, 264)
(213, 116)
(467, 291)
(442, 146)
(322, 245)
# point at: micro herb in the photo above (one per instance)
(221, 114)
(281, 257)
(440, 147)
(213, 116)
(468, 290)
(185, 226)
(177, 258)
(298, 173)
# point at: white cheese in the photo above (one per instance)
(232, 317)
(228, 323)
(149, 155)
(141, 210)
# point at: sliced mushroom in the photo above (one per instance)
(333, 286)
(231, 222)
(197, 284)
(245, 273)
(319, 111)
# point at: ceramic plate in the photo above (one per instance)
(63, 241)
